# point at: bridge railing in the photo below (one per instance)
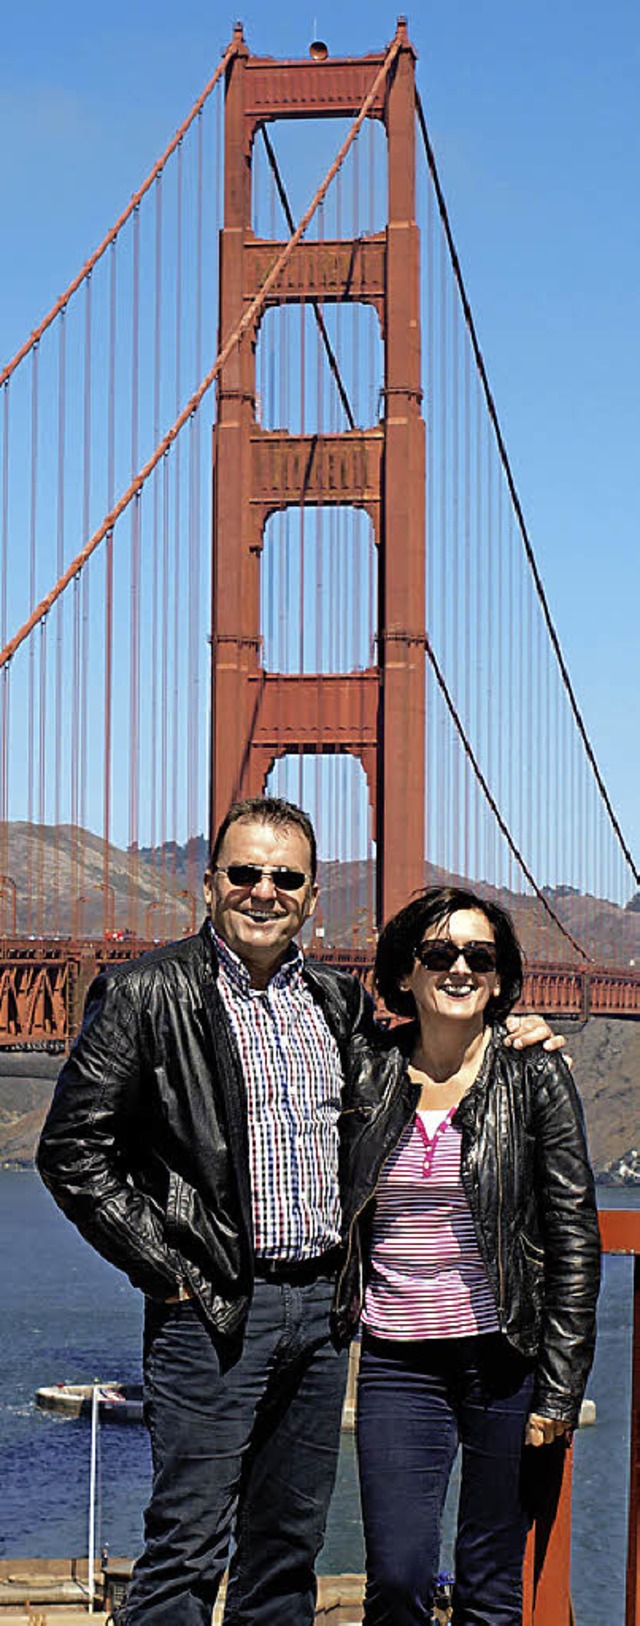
(43, 983)
(547, 1592)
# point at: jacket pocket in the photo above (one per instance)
(530, 1291)
(179, 1206)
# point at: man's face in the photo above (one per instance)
(259, 921)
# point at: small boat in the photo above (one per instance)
(117, 1402)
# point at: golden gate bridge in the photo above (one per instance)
(290, 557)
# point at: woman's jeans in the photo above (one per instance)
(245, 1445)
(417, 1402)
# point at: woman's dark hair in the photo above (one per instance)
(403, 934)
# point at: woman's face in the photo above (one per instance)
(458, 992)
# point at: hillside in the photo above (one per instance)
(60, 871)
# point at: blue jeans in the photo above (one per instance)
(244, 1445)
(417, 1402)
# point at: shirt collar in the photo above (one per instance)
(235, 969)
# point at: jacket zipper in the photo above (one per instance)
(500, 1204)
(355, 1217)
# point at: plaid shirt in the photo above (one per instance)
(293, 1078)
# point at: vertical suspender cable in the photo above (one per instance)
(33, 500)
(109, 895)
(491, 634)
(430, 529)
(4, 694)
(40, 925)
(164, 661)
(319, 661)
(193, 701)
(330, 781)
(522, 720)
(374, 385)
(510, 694)
(502, 635)
(351, 781)
(361, 393)
(301, 532)
(154, 675)
(550, 811)
(466, 577)
(476, 641)
(443, 407)
(59, 619)
(178, 759)
(537, 822)
(562, 867)
(454, 582)
(85, 590)
(134, 623)
(530, 672)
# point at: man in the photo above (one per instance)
(193, 1139)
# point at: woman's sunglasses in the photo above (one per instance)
(441, 954)
(249, 875)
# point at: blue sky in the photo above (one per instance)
(533, 114)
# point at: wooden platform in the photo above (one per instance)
(53, 1592)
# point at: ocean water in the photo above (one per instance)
(69, 1316)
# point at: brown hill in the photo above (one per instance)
(606, 1058)
(59, 872)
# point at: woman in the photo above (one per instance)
(477, 1222)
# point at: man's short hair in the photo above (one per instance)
(267, 810)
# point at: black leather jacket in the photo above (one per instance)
(145, 1146)
(529, 1184)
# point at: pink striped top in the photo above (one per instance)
(427, 1278)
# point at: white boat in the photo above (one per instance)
(117, 1402)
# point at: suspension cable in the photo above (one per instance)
(455, 262)
(62, 302)
(469, 752)
(250, 316)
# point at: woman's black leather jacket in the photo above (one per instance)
(145, 1146)
(529, 1184)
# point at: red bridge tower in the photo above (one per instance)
(378, 715)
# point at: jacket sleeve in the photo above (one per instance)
(571, 1239)
(87, 1142)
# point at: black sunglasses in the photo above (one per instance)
(442, 953)
(283, 878)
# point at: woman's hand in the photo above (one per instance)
(525, 1030)
(544, 1430)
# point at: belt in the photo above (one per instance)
(297, 1271)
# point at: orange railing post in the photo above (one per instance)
(547, 1572)
(632, 1616)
